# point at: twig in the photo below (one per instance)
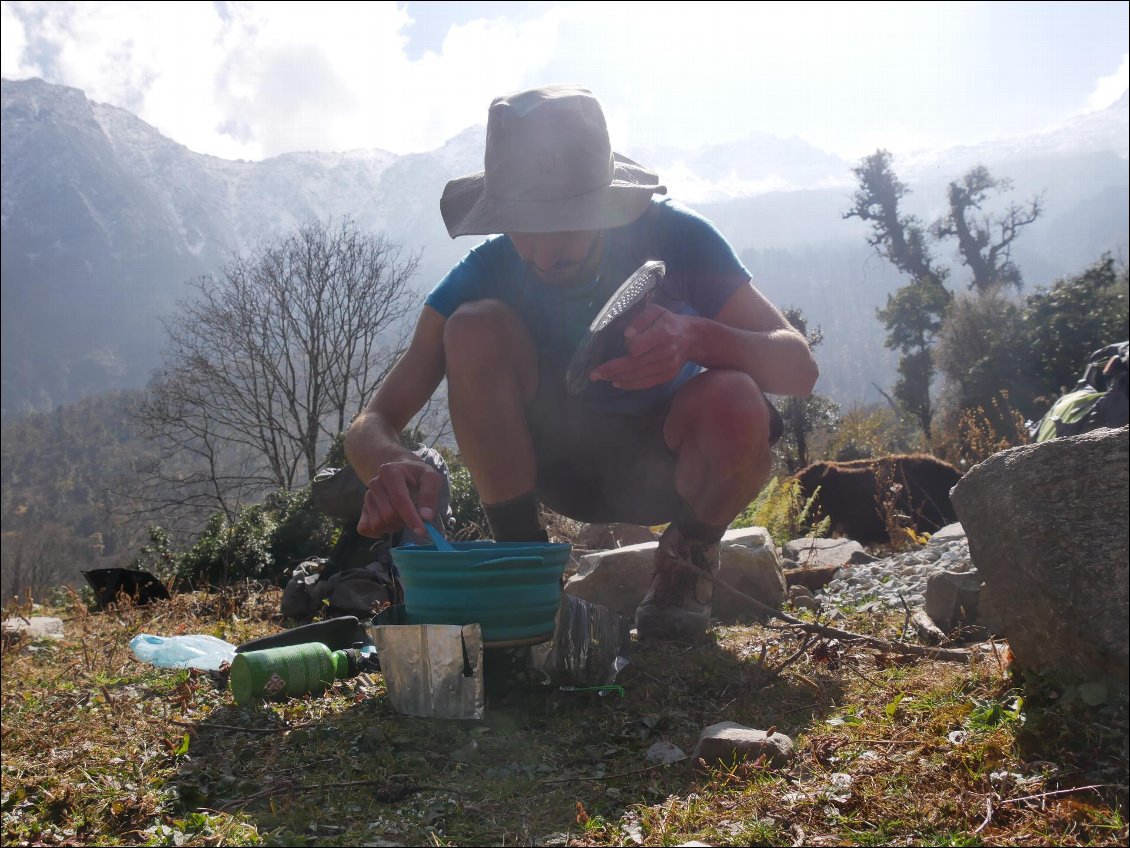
(988, 815)
(946, 654)
(850, 666)
(197, 726)
(1057, 792)
(905, 621)
(607, 776)
(399, 791)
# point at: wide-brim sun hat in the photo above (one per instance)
(548, 168)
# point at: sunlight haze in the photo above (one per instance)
(255, 80)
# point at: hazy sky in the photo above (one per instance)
(250, 80)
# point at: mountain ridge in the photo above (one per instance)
(105, 220)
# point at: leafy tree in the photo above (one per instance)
(273, 357)
(914, 315)
(803, 416)
(980, 352)
(1067, 322)
(899, 238)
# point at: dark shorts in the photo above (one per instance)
(599, 466)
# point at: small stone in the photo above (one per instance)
(467, 754)
(665, 752)
(727, 742)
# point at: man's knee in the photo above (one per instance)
(485, 330)
(477, 328)
(488, 337)
(721, 407)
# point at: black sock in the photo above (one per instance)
(691, 527)
(516, 520)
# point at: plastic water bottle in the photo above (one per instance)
(290, 670)
(197, 651)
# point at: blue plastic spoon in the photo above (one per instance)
(437, 538)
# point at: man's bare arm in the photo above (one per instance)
(748, 334)
(400, 483)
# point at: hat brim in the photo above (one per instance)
(467, 209)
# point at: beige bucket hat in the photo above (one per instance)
(548, 168)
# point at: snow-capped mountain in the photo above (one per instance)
(104, 219)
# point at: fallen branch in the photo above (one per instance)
(199, 726)
(946, 654)
(610, 776)
(1056, 792)
(393, 792)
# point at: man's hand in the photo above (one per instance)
(403, 494)
(658, 344)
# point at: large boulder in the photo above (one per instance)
(618, 579)
(1047, 529)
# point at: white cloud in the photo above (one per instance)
(13, 42)
(250, 80)
(1109, 89)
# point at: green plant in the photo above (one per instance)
(158, 557)
(782, 510)
(227, 552)
(470, 520)
(301, 531)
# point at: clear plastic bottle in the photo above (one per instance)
(194, 651)
(290, 670)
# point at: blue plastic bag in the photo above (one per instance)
(204, 652)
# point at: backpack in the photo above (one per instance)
(1087, 407)
(358, 577)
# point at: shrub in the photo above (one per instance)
(263, 543)
(470, 520)
(782, 510)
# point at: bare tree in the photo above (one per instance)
(273, 357)
(33, 562)
(989, 261)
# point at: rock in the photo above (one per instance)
(807, 602)
(927, 630)
(952, 599)
(35, 627)
(1047, 530)
(467, 753)
(949, 533)
(618, 579)
(817, 553)
(665, 752)
(608, 536)
(801, 597)
(727, 742)
(812, 579)
(987, 615)
(750, 565)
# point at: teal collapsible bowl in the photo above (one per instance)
(510, 589)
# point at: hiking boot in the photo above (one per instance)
(677, 606)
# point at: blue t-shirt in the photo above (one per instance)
(702, 273)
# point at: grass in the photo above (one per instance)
(100, 749)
